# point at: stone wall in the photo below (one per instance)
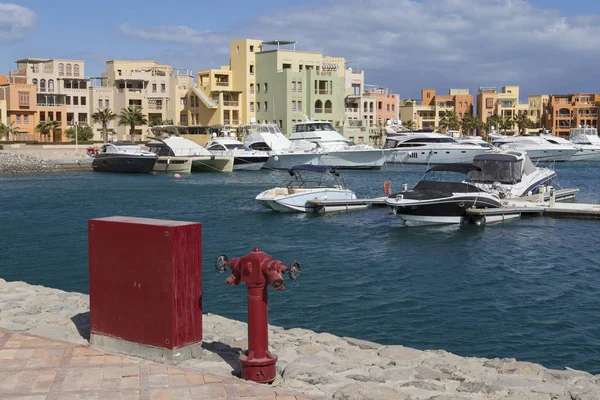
(320, 364)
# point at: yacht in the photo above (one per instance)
(123, 157)
(177, 154)
(583, 139)
(335, 149)
(538, 149)
(430, 148)
(244, 158)
(294, 193)
(509, 173)
(268, 138)
(442, 197)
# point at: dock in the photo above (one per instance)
(324, 206)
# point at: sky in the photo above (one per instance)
(544, 46)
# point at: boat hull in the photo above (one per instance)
(278, 200)
(587, 153)
(249, 163)
(182, 165)
(357, 159)
(289, 160)
(433, 156)
(123, 163)
(212, 164)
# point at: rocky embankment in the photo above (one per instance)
(320, 364)
(11, 163)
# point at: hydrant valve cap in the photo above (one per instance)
(221, 263)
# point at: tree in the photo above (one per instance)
(132, 116)
(83, 133)
(7, 129)
(104, 117)
(409, 124)
(471, 123)
(47, 126)
(450, 120)
(505, 123)
(523, 122)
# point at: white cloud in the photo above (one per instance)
(15, 22)
(408, 44)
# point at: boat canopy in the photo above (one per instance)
(460, 168)
(503, 168)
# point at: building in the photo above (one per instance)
(3, 114)
(291, 85)
(571, 111)
(160, 90)
(360, 113)
(386, 103)
(538, 104)
(242, 59)
(505, 103)
(215, 102)
(427, 112)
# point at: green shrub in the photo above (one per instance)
(84, 133)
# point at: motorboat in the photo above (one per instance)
(268, 138)
(584, 139)
(244, 158)
(509, 173)
(177, 154)
(335, 149)
(443, 196)
(538, 148)
(123, 157)
(430, 148)
(305, 183)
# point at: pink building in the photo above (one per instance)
(387, 104)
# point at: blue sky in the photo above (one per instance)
(545, 46)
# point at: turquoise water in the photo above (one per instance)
(528, 288)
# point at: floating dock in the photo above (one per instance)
(324, 206)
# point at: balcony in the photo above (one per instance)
(563, 115)
(223, 84)
(328, 111)
(322, 91)
(318, 110)
(50, 105)
(354, 110)
(80, 123)
(231, 121)
(228, 103)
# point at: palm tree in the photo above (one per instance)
(523, 122)
(104, 117)
(505, 123)
(132, 116)
(47, 126)
(409, 124)
(7, 129)
(470, 123)
(450, 120)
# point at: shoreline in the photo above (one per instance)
(318, 364)
(22, 162)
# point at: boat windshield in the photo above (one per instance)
(495, 170)
(444, 176)
(233, 146)
(314, 127)
(306, 179)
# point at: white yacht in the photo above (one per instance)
(335, 149)
(509, 173)
(268, 138)
(430, 148)
(177, 154)
(537, 148)
(584, 139)
(244, 158)
(294, 194)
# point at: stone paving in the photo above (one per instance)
(32, 367)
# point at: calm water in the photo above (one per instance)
(528, 289)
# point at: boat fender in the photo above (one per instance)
(387, 188)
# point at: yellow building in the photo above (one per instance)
(427, 112)
(506, 104)
(214, 101)
(538, 104)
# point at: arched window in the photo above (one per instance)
(61, 69)
(43, 85)
(318, 106)
(35, 82)
(328, 106)
(50, 85)
(76, 70)
(69, 71)
(366, 106)
(371, 106)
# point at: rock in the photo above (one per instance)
(363, 344)
(477, 387)
(368, 391)
(425, 386)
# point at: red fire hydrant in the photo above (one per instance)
(257, 269)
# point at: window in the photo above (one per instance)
(61, 69)
(300, 67)
(106, 103)
(380, 105)
(393, 107)
(23, 99)
(35, 82)
(266, 106)
(293, 105)
(258, 88)
(76, 70)
(328, 107)
(266, 88)
(428, 95)
(25, 119)
(293, 86)
(163, 87)
(387, 108)
(83, 101)
(51, 85)
(252, 88)
(460, 104)
(183, 117)
(299, 105)
(251, 69)
(356, 89)
(251, 106)
(489, 103)
(68, 100)
(251, 49)
(69, 70)
(258, 106)
(460, 115)
(154, 88)
(237, 48)
(119, 72)
(183, 101)
(287, 66)
(75, 100)
(489, 114)
(42, 85)
(300, 86)
(99, 103)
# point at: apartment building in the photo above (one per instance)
(538, 104)
(427, 112)
(505, 103)
(3, 113)
(291, 85)
(214, 101)
(571, 111)
(387, 104)
(158, 89)
(359, 106)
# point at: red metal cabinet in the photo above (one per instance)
(146, 280)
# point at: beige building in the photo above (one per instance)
(360, 107)
(538, 104)
(214, 102)
(427, 112)
(504, 103)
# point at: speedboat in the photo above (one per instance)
(294, 194)
(123, 157)
(442, 197)
(335, 149)
(509, 173)
(268, 138)
(430, 148)
(244, 158)
(177, 154)
(538, 149)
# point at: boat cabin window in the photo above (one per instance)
(507, 172)
(233, 146)
(260, 146)
(313, 127)
(217, 146)
(160, 149)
